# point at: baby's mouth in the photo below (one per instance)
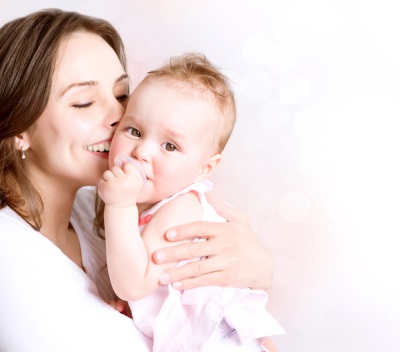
(101, 147)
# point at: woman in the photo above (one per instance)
(63, 89)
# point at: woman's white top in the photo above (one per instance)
(48, 303)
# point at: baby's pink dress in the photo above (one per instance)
(210, 318)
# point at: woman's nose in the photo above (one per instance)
(114, 114)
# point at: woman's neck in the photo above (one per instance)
(56, 222)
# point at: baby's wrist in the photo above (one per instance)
(122, 205)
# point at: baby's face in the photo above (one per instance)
(169, 129)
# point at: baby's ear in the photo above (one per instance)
(208, 167)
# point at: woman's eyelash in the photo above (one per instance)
(123, 97)
(82, 106)
(86, 105)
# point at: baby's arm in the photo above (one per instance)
(132, 272)
(181, 210)
(125, 249)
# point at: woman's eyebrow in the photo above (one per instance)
(79, 84)
(89, 83)
(122, 77)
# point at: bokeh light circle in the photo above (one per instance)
(257, 85)
(283, 59)
(294, 89)
(250, 170)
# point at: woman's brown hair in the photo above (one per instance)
(28, 49)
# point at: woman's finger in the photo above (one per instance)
(211, 279)
(189, 250)
(194, 230)
(222, 208)
(193, 269)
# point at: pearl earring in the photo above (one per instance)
(23, 154)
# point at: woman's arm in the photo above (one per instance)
(235, 256)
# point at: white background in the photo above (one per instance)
(313, 159)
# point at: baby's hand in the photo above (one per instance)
(121, 306)
(120, 186)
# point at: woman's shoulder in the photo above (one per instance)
(15, 230)
(9, 217)
(43, 289)
(24, 250)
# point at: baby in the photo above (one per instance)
(168, 143)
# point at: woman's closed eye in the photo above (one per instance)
(170, 147)
(82, 106)
(122, 98)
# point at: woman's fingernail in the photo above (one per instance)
(177, 284)
(160, 255)
(164, 279)
(171, 234)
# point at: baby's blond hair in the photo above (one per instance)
(196, 69)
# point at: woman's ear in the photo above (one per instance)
(22, 141)
(208, 167)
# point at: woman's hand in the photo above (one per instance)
(234, 255)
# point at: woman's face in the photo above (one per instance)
(88, 97)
